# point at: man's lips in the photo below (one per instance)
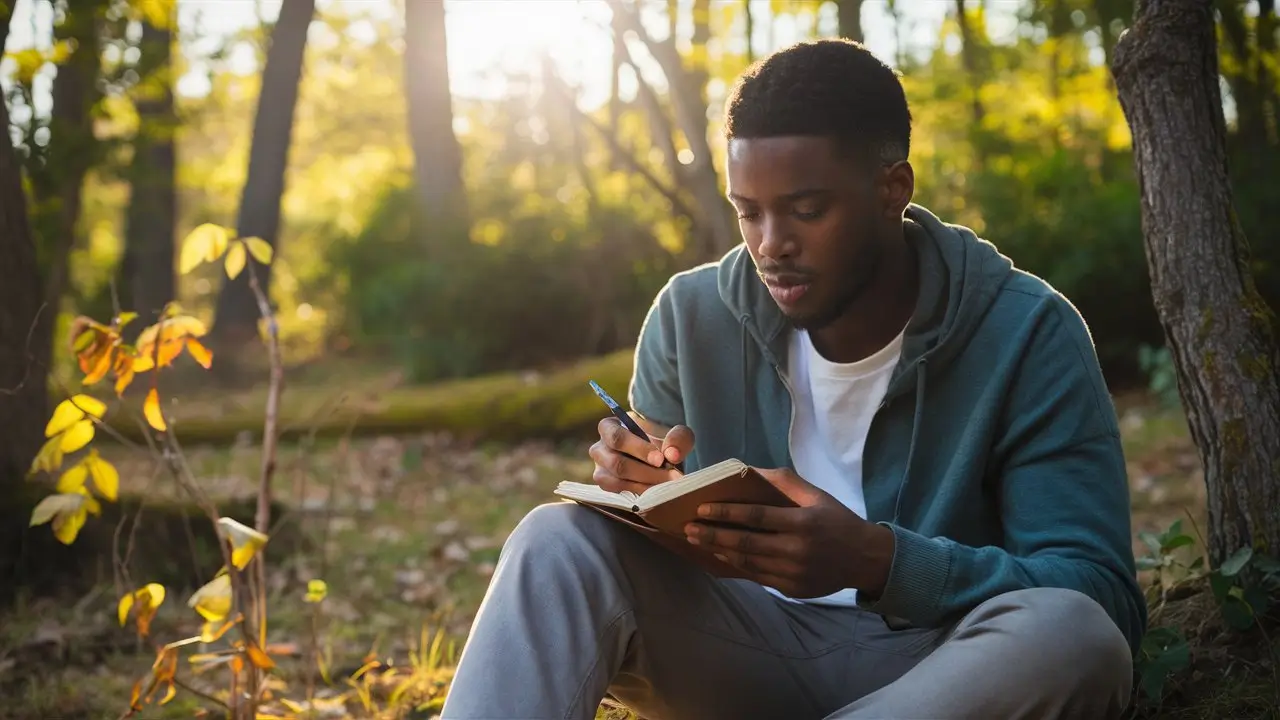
(787, 289)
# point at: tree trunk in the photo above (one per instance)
(717, 230)
(147, 277)
(849, 19)
(236, 321)
(1218, 328)
(25, 344)
(437, 155)
(73, 149)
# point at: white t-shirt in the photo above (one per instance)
(833, 404)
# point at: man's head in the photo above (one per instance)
(818, 135)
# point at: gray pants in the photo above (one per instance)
(581, 607)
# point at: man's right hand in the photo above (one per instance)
(615, 471)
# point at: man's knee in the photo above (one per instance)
(1072, 632)
(558, 531)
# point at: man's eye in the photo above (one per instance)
(748, 215)
(808, 212)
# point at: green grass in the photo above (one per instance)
(405, 528)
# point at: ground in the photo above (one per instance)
(406, 529)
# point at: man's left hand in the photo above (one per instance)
(816, 549)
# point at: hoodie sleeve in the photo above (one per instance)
(1060, 475)
(655, 380)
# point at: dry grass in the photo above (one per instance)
(406, 530)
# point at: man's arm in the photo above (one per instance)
(1063, 490)
(654, 394)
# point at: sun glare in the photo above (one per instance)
(488, 38)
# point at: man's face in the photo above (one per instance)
(811, 221)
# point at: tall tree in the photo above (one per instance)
(147, 278)
(716, 230)
(237, 316)
(25, 336)
(849, 19)
(437, 155)
(1220, 330)
(58, 171)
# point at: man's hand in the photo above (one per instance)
(809, 551)
(615, 455)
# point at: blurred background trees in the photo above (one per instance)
(456, 188)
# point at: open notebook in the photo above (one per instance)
(662, 511)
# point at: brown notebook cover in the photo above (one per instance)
(663, 520)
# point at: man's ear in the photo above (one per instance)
(898, 185)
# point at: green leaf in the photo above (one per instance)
(1220, 585)
(1174, 530)
(1176, 542)
(1266, 564)
(1152, 542)
(1148, 563)
(1257, 599)
(1237, 614)
(1234, 564)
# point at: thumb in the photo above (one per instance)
(796, 488)
(678, 443)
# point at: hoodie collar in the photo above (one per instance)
(960, 275)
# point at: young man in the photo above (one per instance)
(961, 546)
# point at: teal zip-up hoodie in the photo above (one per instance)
(995, 457)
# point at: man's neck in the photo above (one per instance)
(879, 314)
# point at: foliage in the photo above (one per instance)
(234, 596)
(1244, 588)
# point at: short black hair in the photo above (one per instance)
(829, 88)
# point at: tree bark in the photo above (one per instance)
(717, 230)
(849, 19)
(147, 275)
(25, 334)
(58, 179)
(437, 154)
(1219, 329)
(236, 319)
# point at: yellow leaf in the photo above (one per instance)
(50, 456)
(106, 479)
(73, 479)
(169, 694)
(205, 243)
(182, 326)
(122, 610)
(83, 341)
(67, 511)
(200, 353)
(213, 600)
(235, 259)
(72, 410)
(211, 631)
(143, 363)
(151, 409)
(260, 659)
(53, 505)
(125, 318)
(317, 590)
(124, 372)
(260, 249)
(77, 436)
(245, 541)
(99, 365)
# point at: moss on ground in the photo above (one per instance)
(507, 407)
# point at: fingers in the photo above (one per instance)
(617, 437)
(745, 542)
(762, 517)
(678, 443)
